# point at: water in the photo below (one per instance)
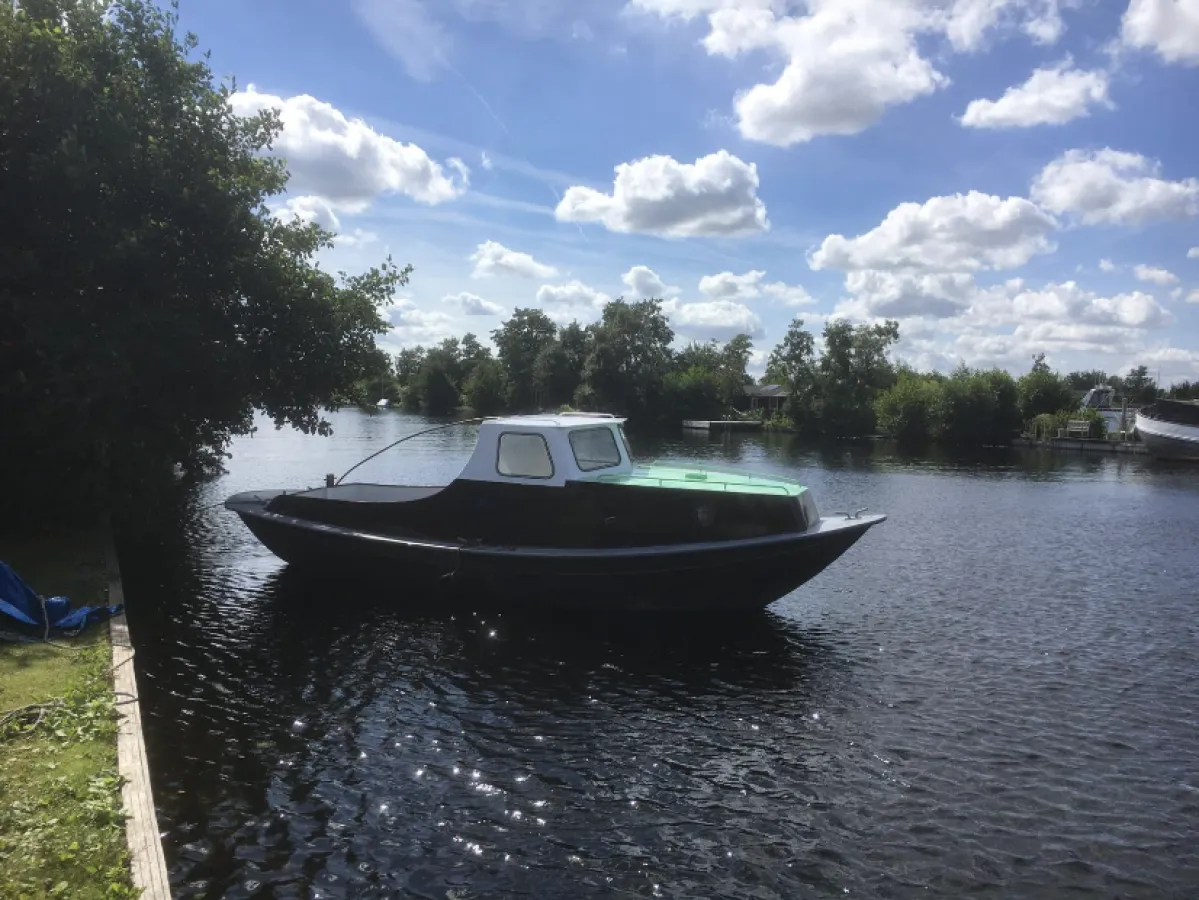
(994, 693)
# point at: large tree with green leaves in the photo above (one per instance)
(518, 343)
(149, 299)
(1044, 391)
(630, 357)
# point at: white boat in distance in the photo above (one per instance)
(1170, 429)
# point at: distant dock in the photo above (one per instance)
(722, 424)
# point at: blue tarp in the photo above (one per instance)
(20, 602)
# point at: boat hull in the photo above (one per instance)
(1168, 440)
(737, 574)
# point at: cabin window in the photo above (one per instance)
(524, 456)
(594, 448)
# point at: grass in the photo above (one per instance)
(62, 830)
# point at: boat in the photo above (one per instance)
(1170, 429)
(553, 509)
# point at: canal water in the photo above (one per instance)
(994, 693)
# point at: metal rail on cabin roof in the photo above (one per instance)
(409, 437)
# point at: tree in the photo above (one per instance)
(910, 411)
(1084, 381)
(630, 357)
(852, 371)
(793, 364)
(435, 384)
(734, 360)
(518, 342)
(1044, 391)
(149, 298)
(407, 362)
(980, 407)
(1139, 388)
(485, 390)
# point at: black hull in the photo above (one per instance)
(742, 574)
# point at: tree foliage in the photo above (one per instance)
(149, 300)
(1044, 391)
(519, 341)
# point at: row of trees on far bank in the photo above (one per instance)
(846, 387)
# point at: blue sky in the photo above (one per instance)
(1004, 177)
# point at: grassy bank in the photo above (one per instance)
(61, 825)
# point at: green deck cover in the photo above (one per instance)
(700, 480)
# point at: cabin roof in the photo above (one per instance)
(554, 420)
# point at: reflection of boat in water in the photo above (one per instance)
(1170, 429)
(553, 509)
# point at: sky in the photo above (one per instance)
(1003, 177)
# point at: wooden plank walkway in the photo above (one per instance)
(141, 827)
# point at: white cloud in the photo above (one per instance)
(492, 258)
(1051, 96)
(715, 195)
(356, 238)
(1111, 187)
(412, 325)
(958, 233)
(1193, 296)
(846, 61)
(1176, 293)
(727, 286)
(311, 209)
(1106, 265)
(346, 164)
(788, 294)
(644, 282)
(1168, 27)
(1160, 277)
(473, 304)
(485, 161)
(898, 294)
(713, 319)
(1193, 253)
(573, 293)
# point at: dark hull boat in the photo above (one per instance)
(576, 525)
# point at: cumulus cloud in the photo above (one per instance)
(644, 282)
(1154, 275)
(573, 293)
(473, 305)
(1051, 96)
(1067, 302)
(340, 165)
(845, 62)
(1193, 296)
(899, 294)
(1169, 28)
(715, 195)
(718, 320)
(788, 294)
(728, 286)
(958, 233)
(492, 258)
(1193, 253)
(412, 325)
(1111, 187)
(1106, 265)
(311, 210)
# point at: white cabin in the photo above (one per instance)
(549, 450)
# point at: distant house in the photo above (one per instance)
(770, 397)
